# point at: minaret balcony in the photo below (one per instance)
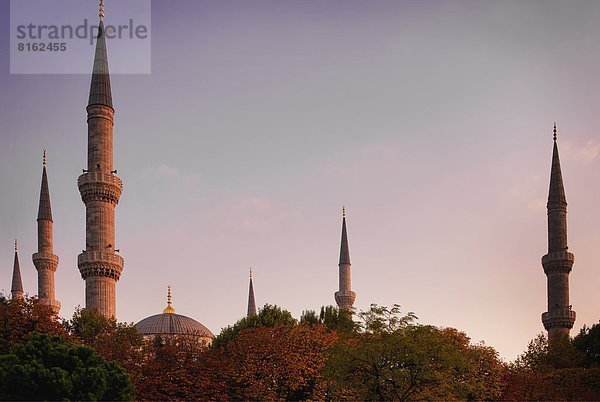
(100, 186)
(54, 304)
(345, 299)
(99, 263)
(45, 260)
(559, 318)
(558, 261)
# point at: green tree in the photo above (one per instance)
(50, 368)
(115, 341)
(588, 343)
(332, 317)
(268, 316)
(557, 370)
(543, 356)
(392, 358)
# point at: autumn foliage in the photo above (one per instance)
(377, 354)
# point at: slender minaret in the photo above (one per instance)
(44, 260)
(100, 190)
(345, 296)
(559, 318)
(251, 301)
(16, 289)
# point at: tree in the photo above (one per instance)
(332, 317)
(268, 363)
(268, 316)
(588, 343)
(392, 358)
(559, 370)
(19, 318)
(50, 368)
(542, 355)
(119, 342)
(178, 369)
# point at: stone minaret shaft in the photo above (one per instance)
(345, 296)
(100, 190)
(251, 301)
(559, 318)
(44, 260)
(16, 288)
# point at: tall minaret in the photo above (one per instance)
(559, 318)
(345, 296)
(251, 301)
(100, 190)
(44, 260)
(16, 289)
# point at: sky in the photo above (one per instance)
(431, 121)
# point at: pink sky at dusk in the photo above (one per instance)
(431, 121)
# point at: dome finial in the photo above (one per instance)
(555, 136)
(101, 10)
(169, 309)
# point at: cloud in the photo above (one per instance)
(174, 175)
(585, 153)
(252, 213)
(167, 171)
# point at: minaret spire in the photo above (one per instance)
(16, 288)
(345, 296)
(46, 263)
(560, 317)
(100, 90)
(251, 301)
(100, 190)
(101, 11)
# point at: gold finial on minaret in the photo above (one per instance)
(44, 158)
(343, 211)
(101, 10)
(16, 245)
(169, 309)
(250, 272)
(555, 132)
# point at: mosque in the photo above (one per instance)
(101, 265)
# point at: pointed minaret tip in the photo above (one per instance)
(16, 288)
(101, 10)
(100, 91)
(251, 301)
(344, 251)
(555, 136)
(44, 210)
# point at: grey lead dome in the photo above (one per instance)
(172, 324)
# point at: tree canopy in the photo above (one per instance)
(268, 316)
(50, 368)
(379, 354)
(392, 358)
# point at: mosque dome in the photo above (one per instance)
(169, 323)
